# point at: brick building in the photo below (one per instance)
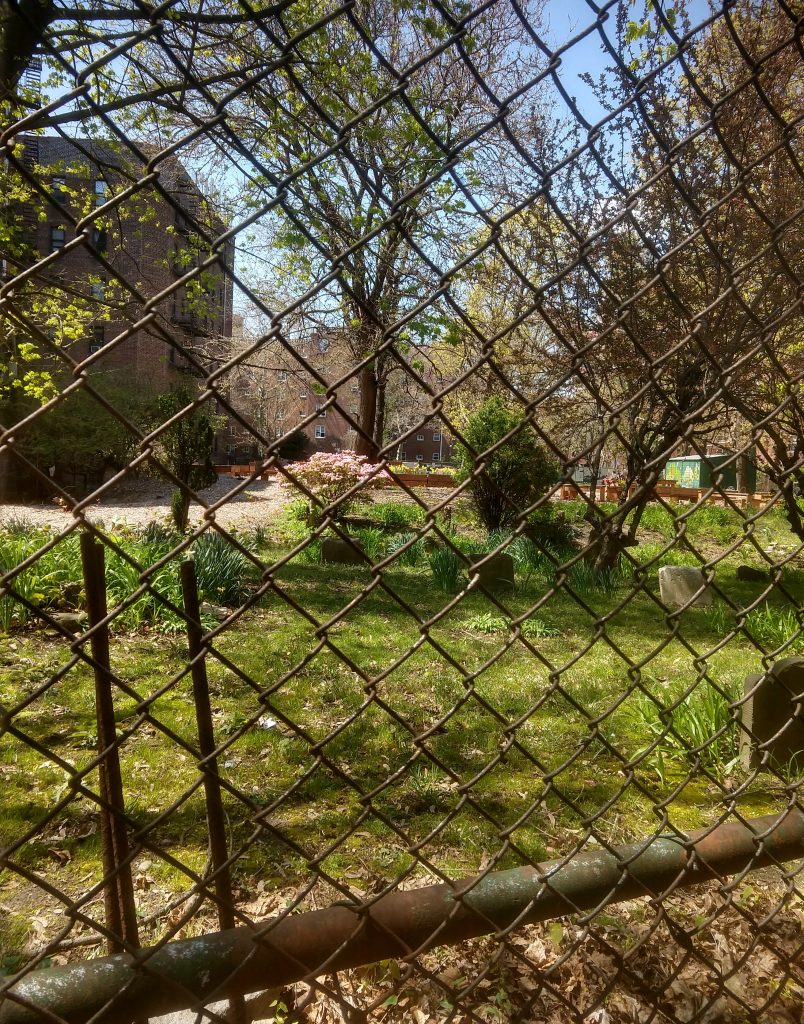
(430, 445)
(148, 242)
(277, 394)
(109, 264)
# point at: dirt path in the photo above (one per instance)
(139, 502)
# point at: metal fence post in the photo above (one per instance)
(121, 913)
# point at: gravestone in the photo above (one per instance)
(679, 584)
(335, 550)
(498, 571)
(750, 574)
(772, 716)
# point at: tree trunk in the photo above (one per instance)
(379, 421)
(742, 472)
(366, 443)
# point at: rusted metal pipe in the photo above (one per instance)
(195, 971)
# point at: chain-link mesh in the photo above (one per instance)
(401, 457)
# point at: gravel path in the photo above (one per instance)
(139, 502)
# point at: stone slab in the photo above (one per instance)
(498, 571)
(750, 574)
(772, 716)
(679, 587)
(333, 549)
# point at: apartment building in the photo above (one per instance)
(107, 276)
(136, 252)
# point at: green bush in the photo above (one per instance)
(548, 525)
(512, 477)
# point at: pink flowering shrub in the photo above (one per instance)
(329, 476)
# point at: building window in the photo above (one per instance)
(436, 457)
(420, 458)
(58, 190)
(320, 431)
(436, 435)
(98, 290)
(402, 455)
(99, 239)
(98, 340)
(323, 344)
(355, 387)
(281, 374)
(420, 437)
(320, 409)
(100, 191)
(57, 238)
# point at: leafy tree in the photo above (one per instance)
(504, 482)
(367, 187)
(186, 447)
(79, 434)
(43, 314)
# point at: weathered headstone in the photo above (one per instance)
(498, 571)
(679, 586)
(772, 715)
(750, 574)
(335, 550)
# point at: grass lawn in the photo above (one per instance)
(403, 733)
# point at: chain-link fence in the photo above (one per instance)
(401, 542)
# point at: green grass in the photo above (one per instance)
(471, 703)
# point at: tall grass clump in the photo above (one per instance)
(716, 524)
(373, 541)
(221, 570)
(445, 565)
(658, 519)
(773, 627)
(14, 549)
(123, 571)
(655, 556)
(701, 726)
(396, 515)
(410, 557)
(584, 580)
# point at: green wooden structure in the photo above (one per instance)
(700, 471)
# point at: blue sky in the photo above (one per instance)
(567, 18)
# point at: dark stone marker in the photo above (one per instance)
(749, 574)
(497, 572)
(335, 550)
(773, 717)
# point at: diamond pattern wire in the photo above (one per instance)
(400, 456)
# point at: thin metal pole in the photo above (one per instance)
(194, 971)
(216, 819)
(120, 905)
